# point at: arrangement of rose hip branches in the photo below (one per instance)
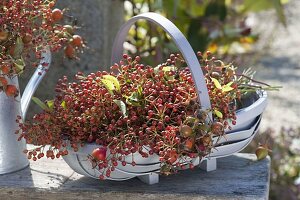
(142, 109)
(26, 28)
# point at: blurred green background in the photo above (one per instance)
(220, 26)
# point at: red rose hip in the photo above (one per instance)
(99, 154)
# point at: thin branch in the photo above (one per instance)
(255, 81)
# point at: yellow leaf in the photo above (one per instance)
(217, 83)
(168, 68)
(50, 104)
(226, 88)
(109, 85)
(114, 80)
(247, 40)
(63, 104)
(218, 113)
(213, 47)
(229, 84)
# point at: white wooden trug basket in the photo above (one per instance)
(146, 169)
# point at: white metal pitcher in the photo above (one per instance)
(12, 157)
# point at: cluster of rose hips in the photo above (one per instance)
(223, 87)
(26, 28)
(138, 109)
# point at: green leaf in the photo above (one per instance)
(217, 83)
(50, 104)
(198, 35)
(20, 65)
(204, 127)
(170, 7)
(229, 84)
(280, 11)
(114, 80)
(122, 107)
(109, 85)
(194, 8)
(256, 6)
(133, 99)
(156, 69)
(64, 104)
(227, 87)
(40, 103)
(168, 68)
(140, 91)
(218, 114)
(18, 48)
(216, 8)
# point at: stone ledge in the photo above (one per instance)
(237, 177)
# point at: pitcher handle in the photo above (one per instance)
(35, 80)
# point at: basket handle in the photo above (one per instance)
(181, 42)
